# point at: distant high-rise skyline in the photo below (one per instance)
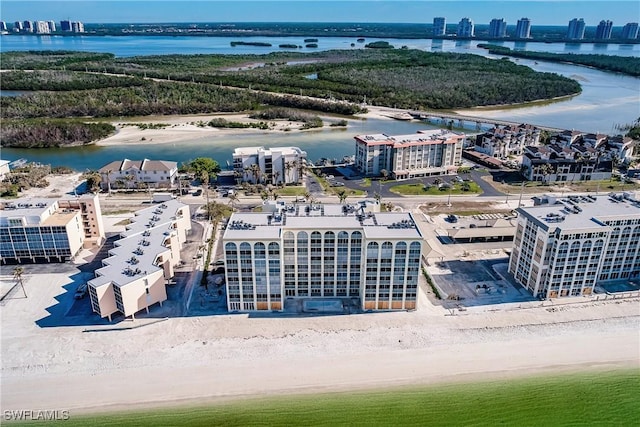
(603, 31)
(498, 28)
(465, 28)
(523, 29)
(630, 31)
(576, 29)
(439, 26)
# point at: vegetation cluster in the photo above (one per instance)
(621, 64)
(45, 133)
(309, 121)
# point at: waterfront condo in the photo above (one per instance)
(322, 252)
(566, 246)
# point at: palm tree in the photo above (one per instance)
(129, 178)
(109, 182)
(384, 173)
(233, 198)
(17, 276)
(545, 170)
(276, 175)
(288, 166)
(256, 172)
(342, 196)
(377, 196)
(307, 196)
(264, 196)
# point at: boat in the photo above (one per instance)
(360, 40)
(402, 116)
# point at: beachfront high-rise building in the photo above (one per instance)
(630, 31)
(565, 246)
(77, 27)
(41, 27)
(322, 256)
(27, 26)
(576, 29)
(52, 26)
(45, 230)
(65, 25)
(428, 152)
(498, 28)
(523, 29)
(603, 31)
(135, 274)
(3, 26)
(278, 165)
(18, 26)
(465, 28)
(439, 26)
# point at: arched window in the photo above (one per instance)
(259, 250)
(274, 250)
(231, 248)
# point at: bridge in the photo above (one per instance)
(478, 121)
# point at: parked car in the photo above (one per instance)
(81, 292)
(452, 218)
(197, 192)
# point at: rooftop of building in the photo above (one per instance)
(330, 217)
(143, 165)
(247, 151)
(142, 242)
(583, 212)
(32, 208)
(422, 137)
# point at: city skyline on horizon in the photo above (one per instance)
(353, 11)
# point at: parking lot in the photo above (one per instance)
(468, 283)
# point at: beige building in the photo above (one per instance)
(277, 165)
(125, 174)
(428, 152)
(135, 274)
(322, 254)
(45, 230)
(566, 246)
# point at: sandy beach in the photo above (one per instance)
(183, 128)
(190, 360)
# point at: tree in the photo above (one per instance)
(384, 173)
(342, 196)
(93, 181)
(289, 166)
(216, 211)
(233, 198)
(545, 170)
(307, 196)
(256, 172)
(276, 175)
(377, 196)
(17, 276)
(203, 164)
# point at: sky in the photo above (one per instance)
(557, 12)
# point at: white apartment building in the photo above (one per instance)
(42, 27)
(523, 29)
(465, 28)
(505, 141)
(566, 246)
(322, 252)
(126, 174)
(46, 230)
(277, 165)
(439, 26)
(428, 152)
(557, 163)
(134, 276)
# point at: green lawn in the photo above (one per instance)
(419, 190)
(291, 191)
(594, 398)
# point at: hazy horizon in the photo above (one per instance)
(541, 13)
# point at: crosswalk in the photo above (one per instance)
(488, 216)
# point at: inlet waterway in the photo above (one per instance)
(607, 99)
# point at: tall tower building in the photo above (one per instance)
(3, 26)
(630, 31)
(498, 28)
(52, 26)
(523, 30)
(576, 29)
(41, 27)
(65, 25)
(17, 26)
(603, 31)
(439, 26)
(465, 28)
(27, 26)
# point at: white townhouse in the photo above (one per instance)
(126, 174)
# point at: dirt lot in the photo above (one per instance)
(464, 208)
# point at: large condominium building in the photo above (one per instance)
(575, 30)
(630, 31)
(557, 163)
(3, 26)
(134, 276)
(41, 27)
(146, 173)
(45, 230)
(18, 26)
(603, 30)
(439, 26)
(567, 246)
(502, 142)
(322, 252)
(498, 28)
(523, 29)
(428, 152)
(465, 28)
(277, 165)
(27, 26)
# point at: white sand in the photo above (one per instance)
(199, 359)
(182, 128)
